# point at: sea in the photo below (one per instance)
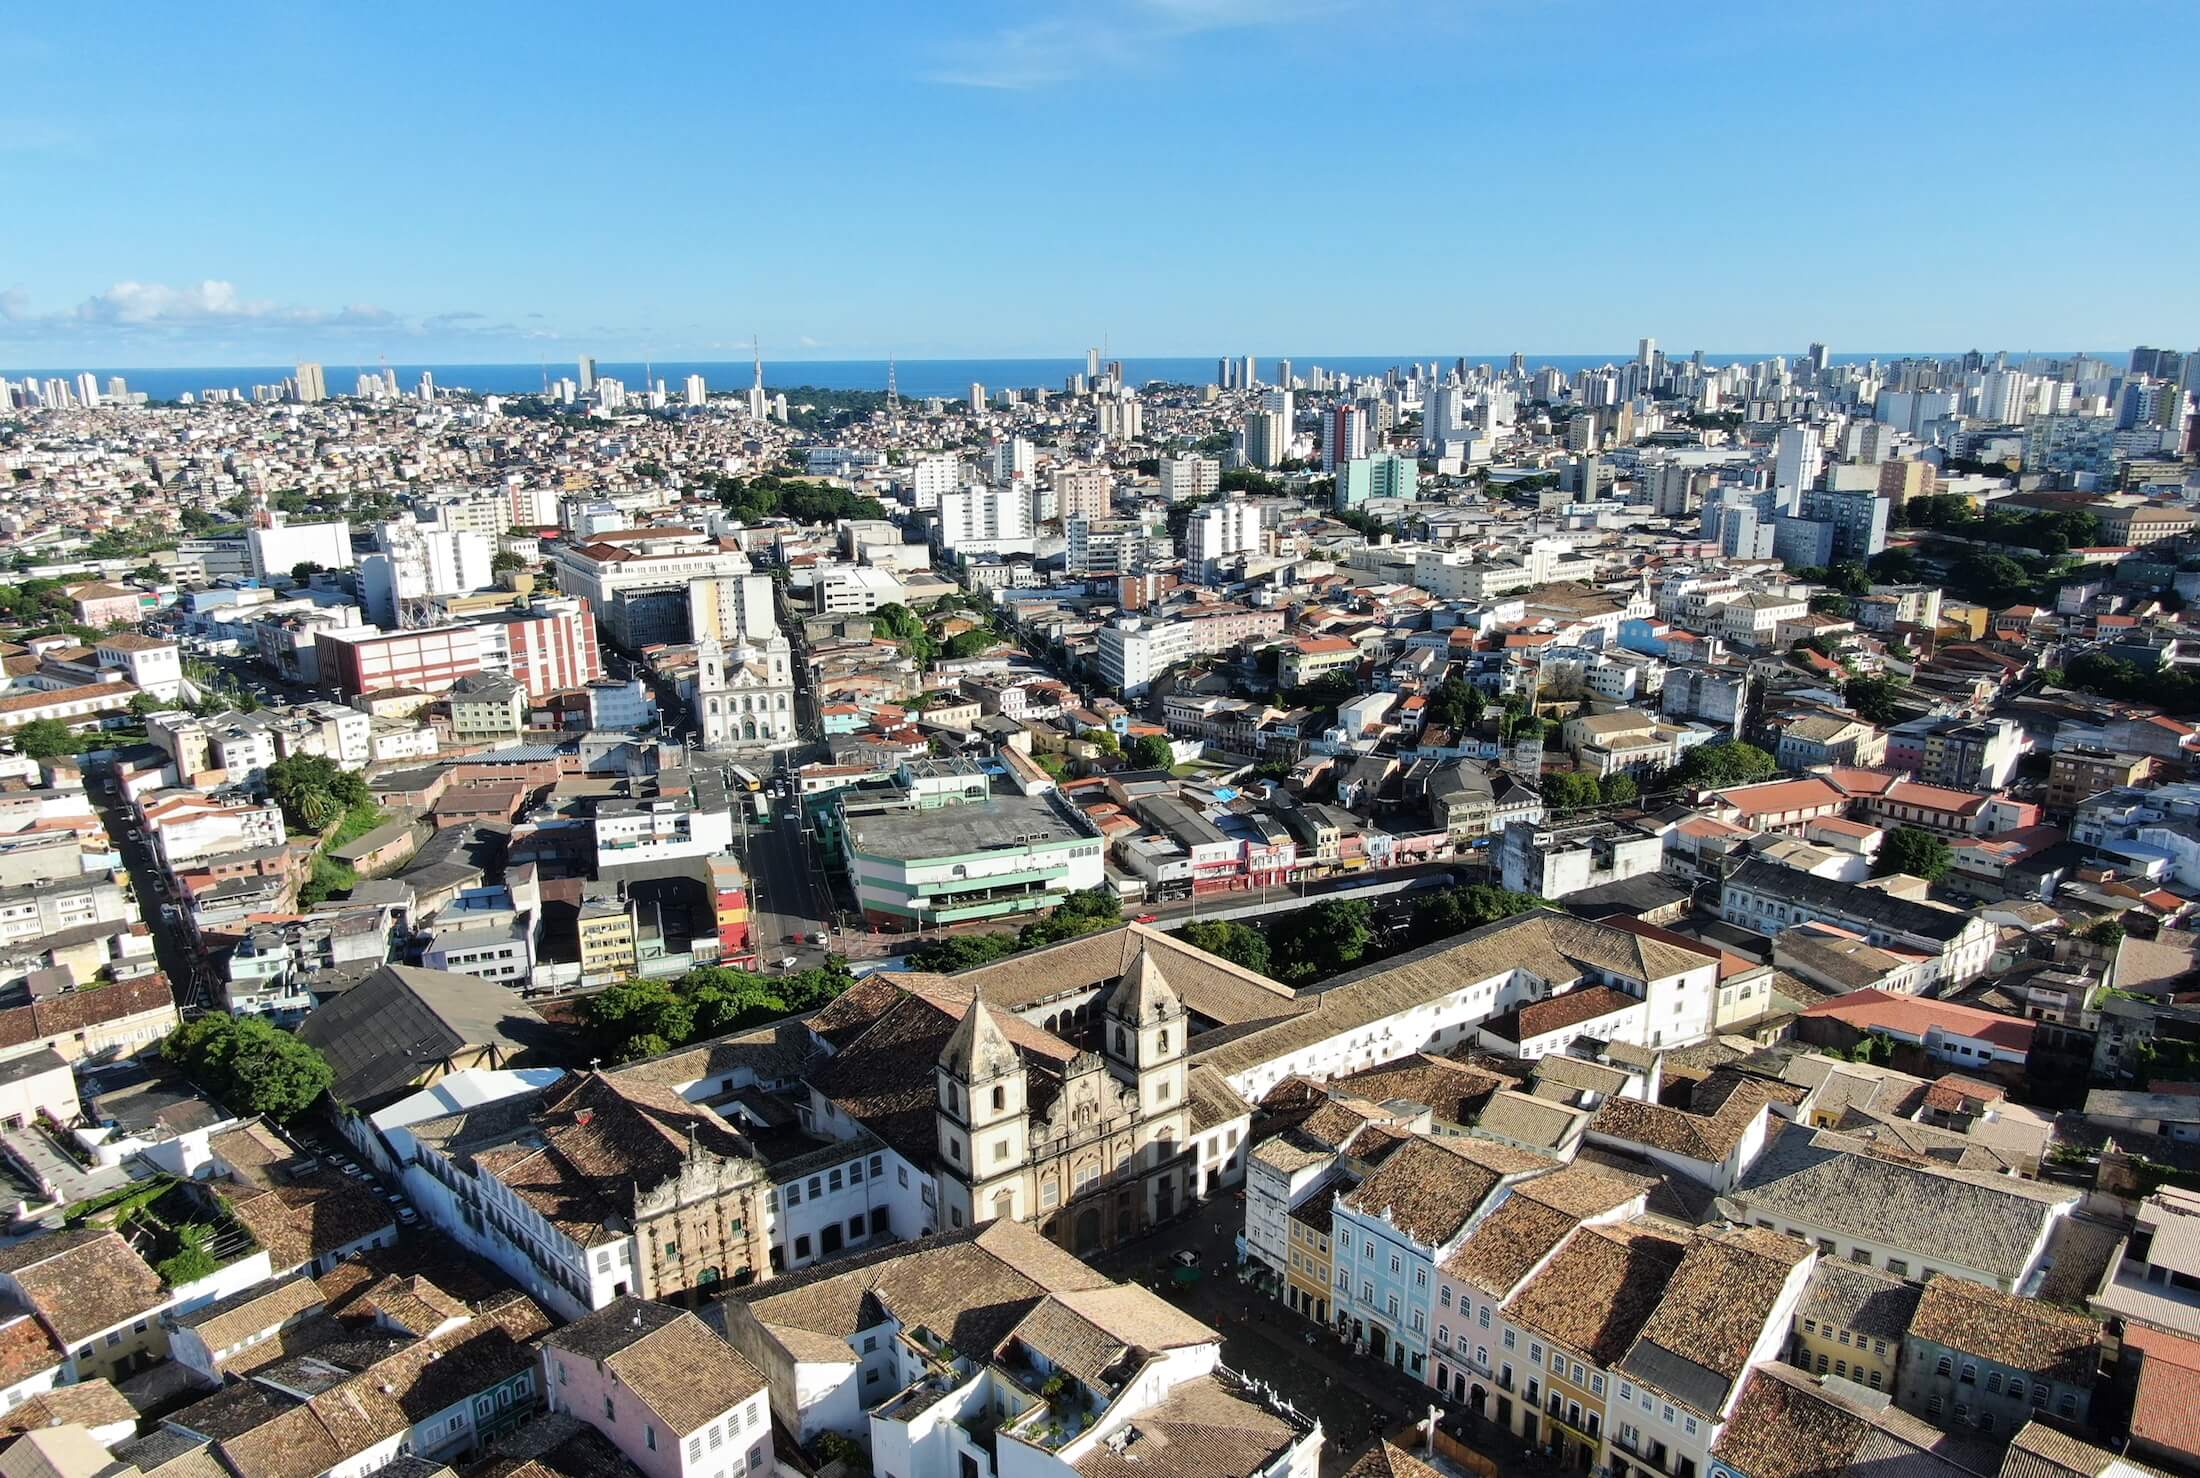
(915, 378)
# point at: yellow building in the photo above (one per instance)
(1571, 1322)
(1851, 1322)
(607, 938)
(1307, 1281)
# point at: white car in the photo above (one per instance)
(788, 963)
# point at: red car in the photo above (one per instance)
(1149, 918)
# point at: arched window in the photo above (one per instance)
(954, 1106)
(1122, 1043)
(1161, 1041)
(1000, 1098)
(1947, 1366)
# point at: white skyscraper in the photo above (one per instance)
(1013, 461)
(1645, 351)
(1092, 365)
(1220, 530)
(697, 391)
(1797, 457)
(588, 373)
(978, 515)
(759, 407)
(977, 398)
(87, 390)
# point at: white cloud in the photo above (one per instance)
(156, 310)
(1100, 38)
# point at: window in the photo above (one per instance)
(1810, 1326)
(1535, 1353)
(1993, 1382)
(1688, 1425)
(1443, 1332)
(1844, 1336)
(1898, 1267)
(1986, 1421)
(1932, 1406)
(2068, 1406)
(878, 1168)
(1444, 1297)
(2039, 1394)
(649, 1436)
(695, 1449)
(1860, 1256)
(561, 1373)
(610, 1412)
(1963, 1412)
(1482, 1317)
(1596, 1385)
(1000, 1098)
(1946, 1366)
(1970, 1373)
(1390, 1305)
(1824, 1364)
(717, 1438)
(802, 1246)
(817, 1187)
(1875, 1380)
(1420, 1277)
(855, 1173)
(1626, 1390)
(954, 1151)
(794, 1195)
(1667, 1413)
(1510, 1341)
(2016, 1389)
(1418, 1326)
(1394, 1262)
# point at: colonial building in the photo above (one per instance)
(744, 693)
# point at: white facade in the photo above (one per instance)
(981, 519)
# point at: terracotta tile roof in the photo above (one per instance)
(674, 1362)
(1696, 1346)
(1777, 796)
(1203, 1429)
(1785, 1425)
(2021, 1333)
(1385, 1461)
(1913, 1016)
(84, 1282)
(2165, 1410)
(1567, 1009)
(1530, 1224)
(1706, 1137)
(91, 1403)
(25, 1349)
(1431, 1187)
(1594, 1296)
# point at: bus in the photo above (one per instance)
(745, 776)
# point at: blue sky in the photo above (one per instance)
(483, 181)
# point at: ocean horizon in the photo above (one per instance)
(914, 378)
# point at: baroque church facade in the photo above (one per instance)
(1091, 1157)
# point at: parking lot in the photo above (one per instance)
(1355, 1399)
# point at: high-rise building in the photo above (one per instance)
(977, 398)
(1384, 475)
(588, 373)
(118, 389)
(87, 389)
(1797, 458)
(1012, 462)
(1220, 530)
(697, 391)
(1092, 364)
(1645, 350)
(979, 515)
(1820, 360)
(1267, 436)
(1226, 372)
(1283, 373)
(1252, 374)
(1083, 492)
(1344, 435)
(1122, 418)
(1190, 477)
(312, 388)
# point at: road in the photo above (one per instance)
(188, 978)
(785, 896)
(1356, 1398)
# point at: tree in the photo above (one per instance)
(504, 562)
(1445, 913)
(1832, 603)
(1872, 698)
(1456, 705)
(1992, 579)
(2106, 932)
(1895, 566)
(146, 703)
(314, 790)
(1729, 762)
(1913, 850)
(1320, 941)
(1152, 752)
(1570, 790)
(306, 569)
(1085, 911)
(953, 952)
(47, 738)
(1849, 577)
(249, 1065)
(1105, 740)
(1240, 944)
(972, 643)
(1618, 789)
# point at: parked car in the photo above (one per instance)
(788, 963)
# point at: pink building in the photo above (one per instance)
(663, 1388)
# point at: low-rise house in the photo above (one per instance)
(1909, 1217)
(1851, 1324)
(663, 1387)
(1982, 1358)
(1790, 1425)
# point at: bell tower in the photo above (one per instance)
(1144, 1030)
(982, 1123)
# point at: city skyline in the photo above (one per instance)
(1184, 176)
